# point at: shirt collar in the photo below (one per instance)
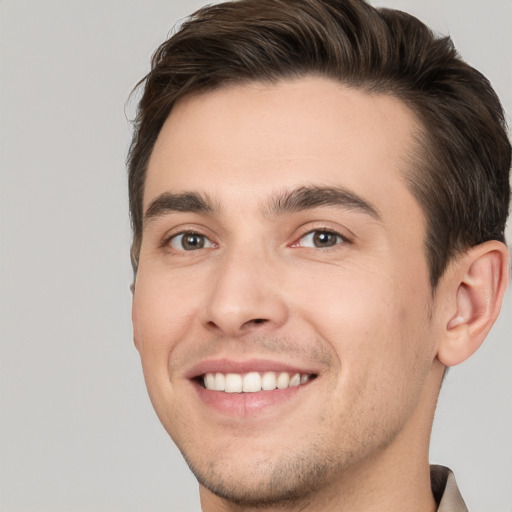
(445, 490)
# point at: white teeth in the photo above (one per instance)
(283, 381)
(209, 381)
(295, 380)
(220, 382)
(268, 382)
(233, 383)
(252, 382)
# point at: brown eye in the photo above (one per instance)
(324, 239)
(190, 242)
(320, 239)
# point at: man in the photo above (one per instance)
(318, 192)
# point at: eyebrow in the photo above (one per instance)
(182, 202)
(307, 198)
(289, 201)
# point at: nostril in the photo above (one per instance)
(215, 326)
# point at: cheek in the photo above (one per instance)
(374, 324)
(162, 314)
(161, 317)
(349, 307)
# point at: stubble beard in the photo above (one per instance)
(289, 480)
(267, 483)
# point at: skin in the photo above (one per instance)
(359, 314)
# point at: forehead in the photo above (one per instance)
(256, 137)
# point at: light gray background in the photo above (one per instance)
(77, 432)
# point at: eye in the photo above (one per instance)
(320, 238)
(190, 242)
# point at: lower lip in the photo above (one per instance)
(246, 404)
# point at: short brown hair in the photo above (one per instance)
(460, 175)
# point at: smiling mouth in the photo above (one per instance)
(253, 382)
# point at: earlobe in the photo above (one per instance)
(479, 279)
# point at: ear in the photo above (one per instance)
(477, 284)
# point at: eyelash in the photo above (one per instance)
(340, 240)
(168, 241)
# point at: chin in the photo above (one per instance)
(266, 485)
(265, 480)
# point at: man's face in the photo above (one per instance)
(281, 246)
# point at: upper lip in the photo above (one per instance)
(250, 365)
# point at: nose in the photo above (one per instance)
(245, 296)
